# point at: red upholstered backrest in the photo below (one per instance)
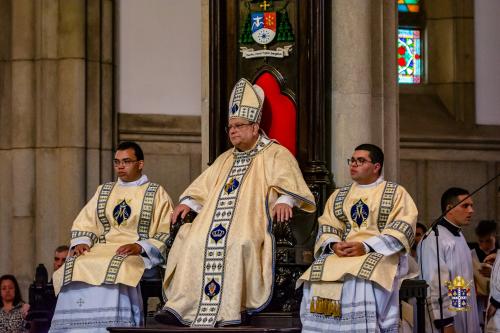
(279, 114)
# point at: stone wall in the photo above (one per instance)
(426, 172)
(172, 147)
(440, 143)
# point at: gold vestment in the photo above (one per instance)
(223, 263)
(357, 213)
(115, 216)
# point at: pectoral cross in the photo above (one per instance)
(264, 5)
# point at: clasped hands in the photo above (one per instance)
(127, 249)
(348, 249)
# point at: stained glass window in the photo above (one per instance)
(409, 56)
(406, 6)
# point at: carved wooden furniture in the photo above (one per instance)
(301, 76)
(296, 113)
(418, 289)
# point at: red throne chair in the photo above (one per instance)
(279, 114)
(279, 122)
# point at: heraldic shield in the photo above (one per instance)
(459, 292)
(263, 27)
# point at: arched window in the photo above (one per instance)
(410, 45)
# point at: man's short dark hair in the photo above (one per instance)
(486, 227)
(450, 197)
(132, 145)
(376, 154)
(422, 226)
(62, 248)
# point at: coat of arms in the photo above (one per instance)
(459, 292)
(264, 25)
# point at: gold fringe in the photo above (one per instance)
(312, 308)
(336, 309)
(325, 307)
(319, 306)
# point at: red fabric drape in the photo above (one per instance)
(279, 114)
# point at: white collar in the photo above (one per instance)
(375, 183)
(143, 180)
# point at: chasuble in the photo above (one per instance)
(360, 294)
(223, 263)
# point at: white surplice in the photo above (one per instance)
(455, 260)
(493, 325)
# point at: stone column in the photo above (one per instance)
(101, 131)
(5, 131)
(71, 114)
(48, 169)
(364, 87)
(56, 122)
(389, 89)
(23, 117)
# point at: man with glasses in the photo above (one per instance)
(221, 265)
(361, 252)
(121, 231)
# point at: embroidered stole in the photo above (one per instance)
(369, 264)
(216, 241)
(142, 230)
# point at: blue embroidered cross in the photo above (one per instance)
(459, 298)
(80, 302)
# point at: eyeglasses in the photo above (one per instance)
(236, 127)
(357, 161)
(126, 162)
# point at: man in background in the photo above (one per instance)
(454, 260)
(419, 233)
(486, 233)
(60, 255)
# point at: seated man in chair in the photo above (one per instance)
(364, 238)
(119, 233)
(222, 263)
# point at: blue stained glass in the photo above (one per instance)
(409, 56)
